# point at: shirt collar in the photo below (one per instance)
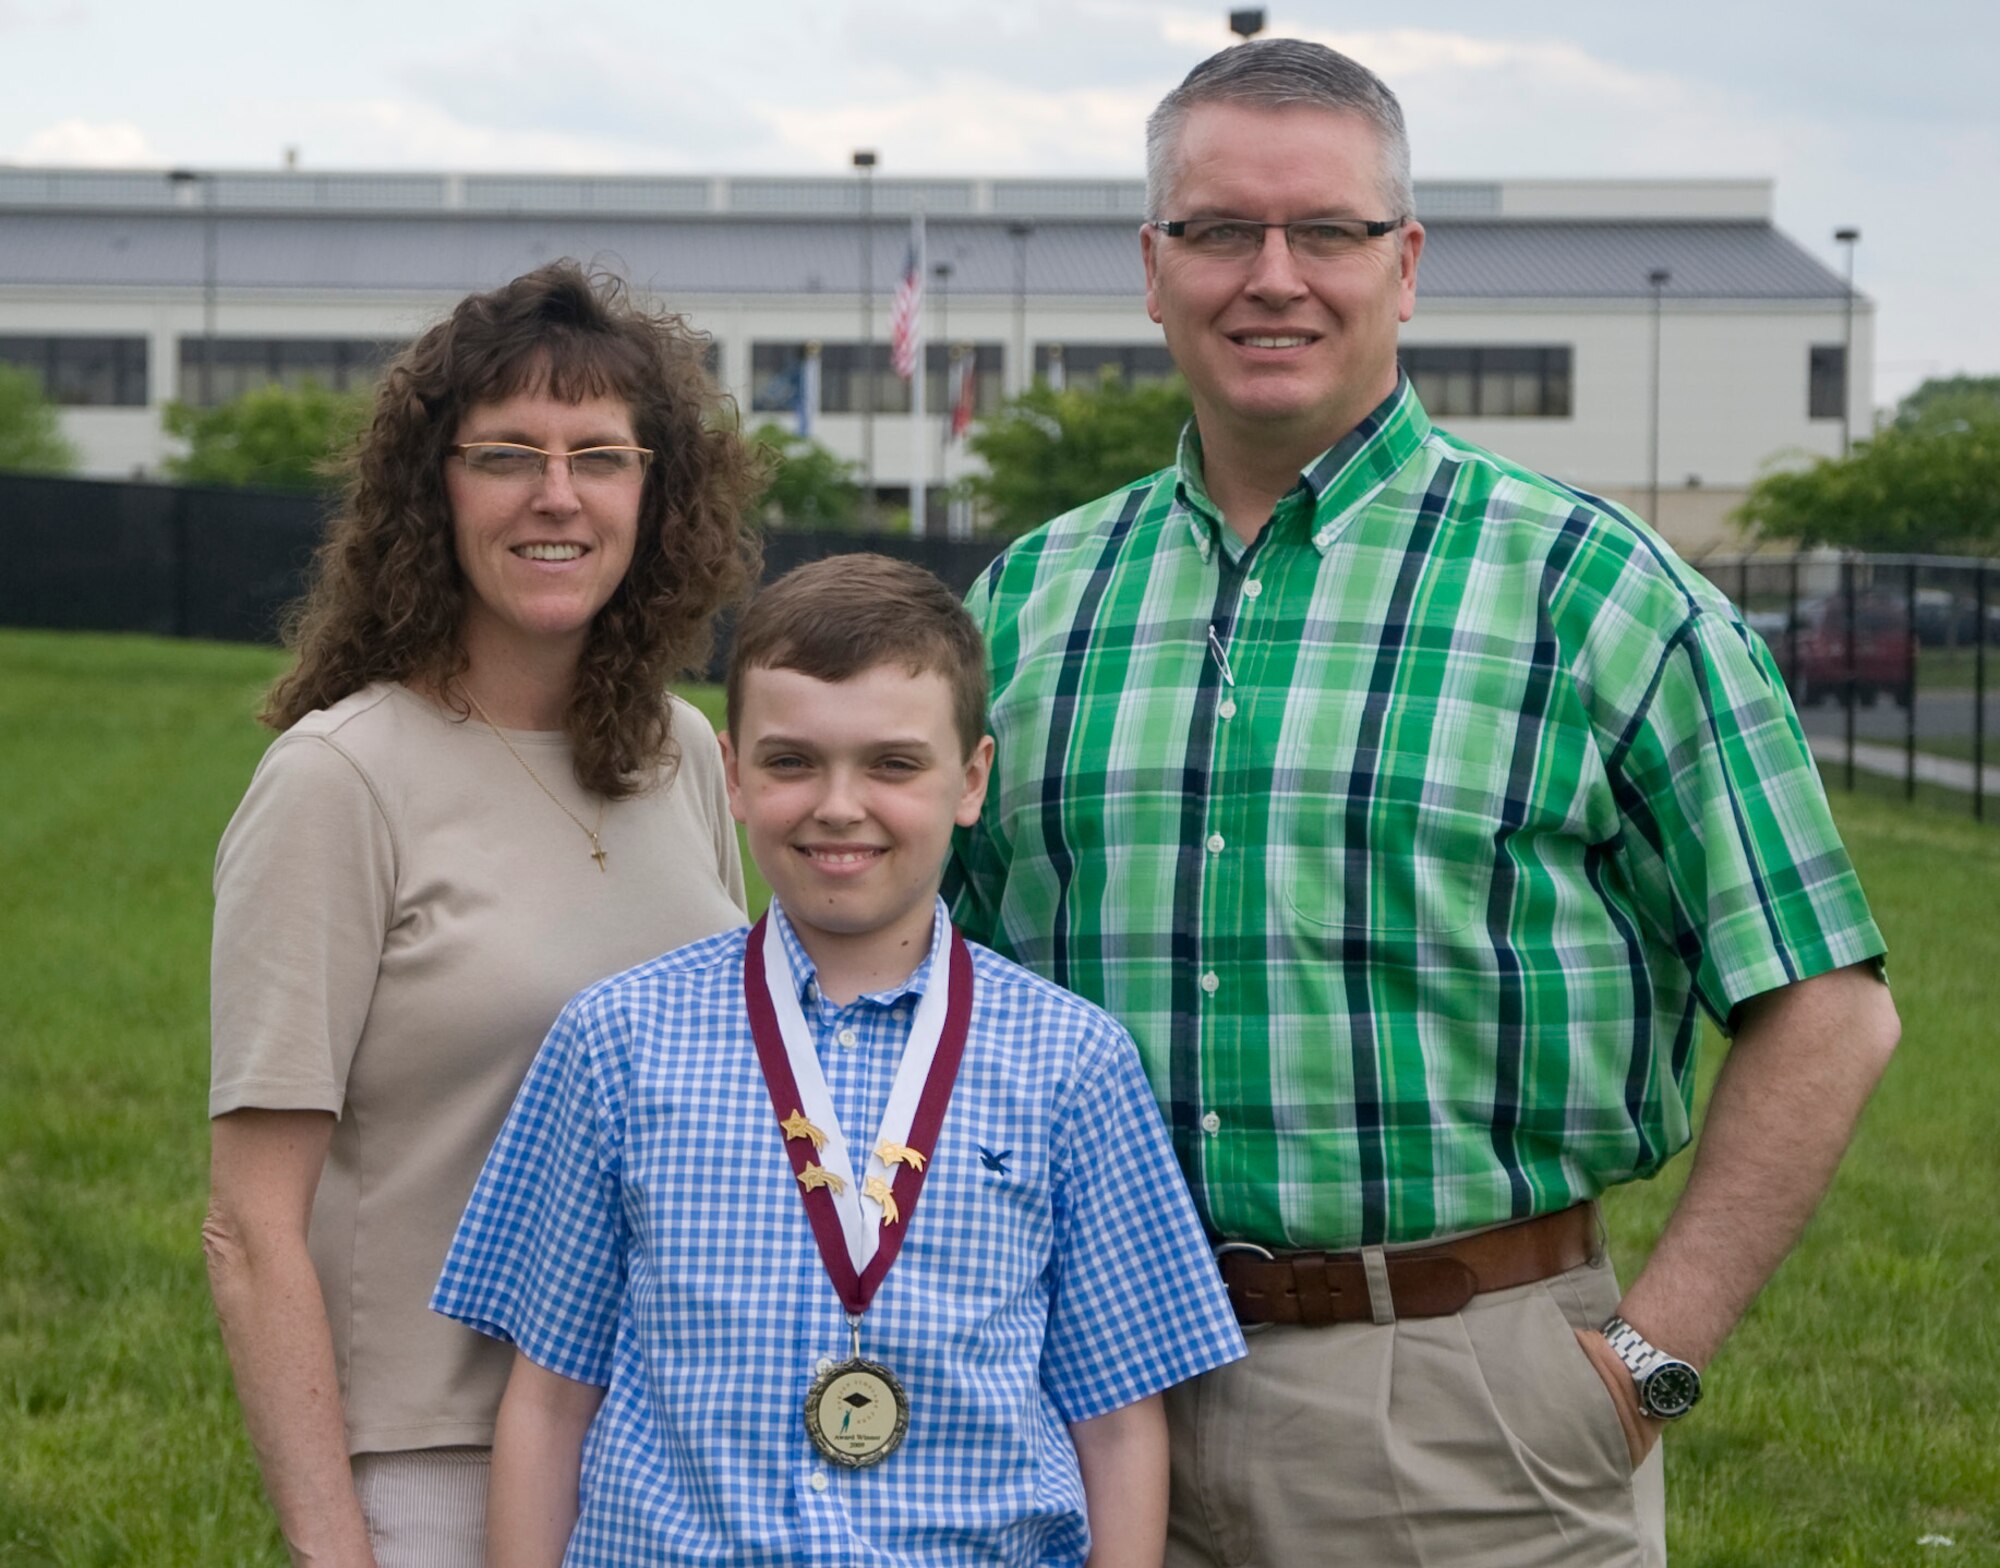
(805, 976)
(1336, 482)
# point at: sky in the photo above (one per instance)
(1883, 118)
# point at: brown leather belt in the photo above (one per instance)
(1313, 1288)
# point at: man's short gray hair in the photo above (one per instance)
(1281, 73)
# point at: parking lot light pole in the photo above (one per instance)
(1847, 237)
(1657, 280)
(1024, 373)
(206, 183)
(864, 163)
(942, 272)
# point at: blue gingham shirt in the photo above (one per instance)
(638, 1226)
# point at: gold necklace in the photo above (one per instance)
(596, 844)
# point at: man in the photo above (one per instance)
(1410, 809)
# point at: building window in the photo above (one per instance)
(1491, 382)
(774, 369)
(1826, 382)
(843, 386)
(244, 364)
(83, 372)
(1083, 363)
(774, 378)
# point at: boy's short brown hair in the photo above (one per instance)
(837, 618)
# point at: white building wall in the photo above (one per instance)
(1733, 394)
(1733, 398)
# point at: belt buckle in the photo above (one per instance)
(1219, 1249)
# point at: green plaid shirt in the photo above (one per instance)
(1405, 840)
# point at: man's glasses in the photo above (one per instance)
(512, 463)
(1310, 239)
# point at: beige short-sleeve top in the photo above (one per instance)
(400, 913)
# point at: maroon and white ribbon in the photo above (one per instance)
(848, 1226)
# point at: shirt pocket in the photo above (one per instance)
(1403, 840)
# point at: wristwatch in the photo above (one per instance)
(1668, 1389)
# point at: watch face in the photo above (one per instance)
(1670, 1390)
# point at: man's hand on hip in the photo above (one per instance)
(1641, 1430)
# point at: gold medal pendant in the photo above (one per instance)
(857, 1413)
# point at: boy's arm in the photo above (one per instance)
(537, 1458)
(1123, 1456)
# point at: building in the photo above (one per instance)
(1538, 308)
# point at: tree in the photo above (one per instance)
(1943, 398)
(281, 437)
(31, 438)
(810, 487)
(1928, 482)
(1047, 452)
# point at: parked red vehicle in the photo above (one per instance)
(1884, 657)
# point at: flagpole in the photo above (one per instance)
(808, 401)
(919, 446)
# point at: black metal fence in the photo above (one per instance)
(186, 561)
(1887, 656)
(180, 561)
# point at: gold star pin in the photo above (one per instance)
(899, 1154)
(796, 1126)
(878, 1189)
(816, 1176)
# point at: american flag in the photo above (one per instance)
(965, 392)
(906, 324)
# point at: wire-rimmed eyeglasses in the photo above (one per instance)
(517, 463)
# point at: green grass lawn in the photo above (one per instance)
(1857, 1410)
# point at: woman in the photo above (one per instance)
(480, 803)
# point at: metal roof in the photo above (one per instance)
(718, 254)
(1552, 259)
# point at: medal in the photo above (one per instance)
(856, 1412)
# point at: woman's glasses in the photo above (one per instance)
(509, 462)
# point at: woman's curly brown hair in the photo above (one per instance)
(388, 598)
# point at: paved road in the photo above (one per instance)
(1940, 714)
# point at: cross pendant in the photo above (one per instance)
(597, 852)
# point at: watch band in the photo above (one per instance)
(1668, 1387)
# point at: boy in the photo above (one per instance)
(701, 1226)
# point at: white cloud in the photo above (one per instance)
(1498, 106)
(95, 143)
(964, 125)
(387, 133)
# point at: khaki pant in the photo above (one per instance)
(425, 1507)
(1485, 1438)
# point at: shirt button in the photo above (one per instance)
(1211, 1123)
(823, 1366)
(818, 1481)
(1252, 588)
(1215, 843)
(1227, 708)
(1211, 982)
(848, 1037)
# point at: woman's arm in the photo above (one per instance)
(537, 1458)
(264, 1167)
(1123, 1456)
